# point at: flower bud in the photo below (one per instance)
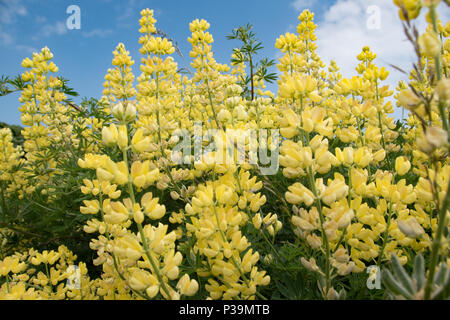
(410, 227)
(310, 265)
(27, 63)
(436, 136)
(187, 286)
(224, 115)
(408, 99)
(109, 135)
(443, 89)
(104, 175)
(130, 113)
(429, 43)
(402, 165)
(174, 195)
(138, 216)
(332, 294)
(117, 111)
(122, 138)
(379, 155)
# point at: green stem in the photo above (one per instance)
(218, 124)
(437, 243)
(446, 202)
(4, 207)
(437, 63)
(324, 234)
(141, 231)
(224, 239)
(48, 276)
(251, 77)
(385, 236)
(250, 218)
(8, 289)
(382, 139)
(163, 154)
(116, 265)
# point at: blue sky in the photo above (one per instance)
(83, 56)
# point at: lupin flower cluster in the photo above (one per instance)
(353, 186)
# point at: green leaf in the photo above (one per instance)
(394, 286)
(419, 271)
(401, 274)
(443, 292)
(441, 274)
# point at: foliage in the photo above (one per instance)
(246, 54)
(16, 131)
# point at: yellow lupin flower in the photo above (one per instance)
(187, 286)
(110, 135)
(402, 165)
(151, 206)
(430, 44)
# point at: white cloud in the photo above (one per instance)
(40, 19)
(5, 38)
(127, 11)
(10, 12)
(131, 8)
(344, 31)
(58, 28)
(97, 33)
(300, 5)
(10, 9)
(26, 49)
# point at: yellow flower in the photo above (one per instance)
(110, 135)
(130, 112)
(410, 227)
(128, 247)
(443, 89)
(104, 175)
(402, 165)
(408, 99)
(115, 212)
(335, 191)
(140, 280)
(187, 286)
(139, 143)
(298, 193)
(436, 137)
(91, 207)
(430, 44)
(118, 111)
(122, 137)
(151, 206)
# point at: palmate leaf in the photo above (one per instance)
(256, 47)
(66, 89)
(8, 85)
(4, 90)
(271, 77)
(17, 83)
(263, 74)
